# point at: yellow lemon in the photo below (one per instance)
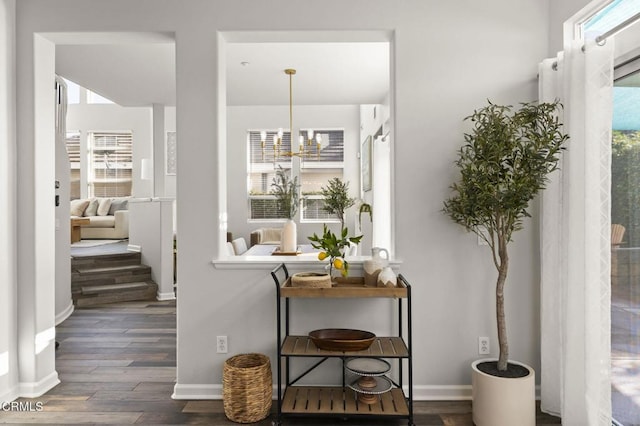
(322, 255)
(344, 272)
(337, 263)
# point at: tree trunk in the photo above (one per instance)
(502, 323)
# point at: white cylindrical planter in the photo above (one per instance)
(289, 241)
(503, 401)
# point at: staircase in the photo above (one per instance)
(110, 278)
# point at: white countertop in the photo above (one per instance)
(266, 260)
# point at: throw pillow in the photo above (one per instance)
(78, 207)
(104, 206)
(92, 208)
(118, 204)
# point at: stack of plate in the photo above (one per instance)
(371, 380)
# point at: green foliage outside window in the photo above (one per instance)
(625, 184)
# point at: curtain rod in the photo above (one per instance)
(603, 37)
(618, 28)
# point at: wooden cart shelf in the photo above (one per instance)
(314, 400)
(382, 347)
(345, 288)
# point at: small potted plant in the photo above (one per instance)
(336, 199)
(504, 162)
(334, 248)
(285, 190)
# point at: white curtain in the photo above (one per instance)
(575, 241)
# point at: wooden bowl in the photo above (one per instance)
(342, 339)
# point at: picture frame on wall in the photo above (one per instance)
(171, 153)
(365, 164)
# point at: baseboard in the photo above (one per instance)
(197, 391)
(36, 389)
(133, 247)
(446, 393)
(440, 393)
(66, 313)
(420, 392)
(166, 296)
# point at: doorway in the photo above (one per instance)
(143, 94)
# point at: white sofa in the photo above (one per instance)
(110, 222)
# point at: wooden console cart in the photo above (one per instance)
(340, 401)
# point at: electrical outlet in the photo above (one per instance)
(221, 345)
(483, 346)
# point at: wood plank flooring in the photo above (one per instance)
(117, 366)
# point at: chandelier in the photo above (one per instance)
(277, 138)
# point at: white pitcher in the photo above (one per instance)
(373, 266)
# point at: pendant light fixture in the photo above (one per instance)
(277, 138)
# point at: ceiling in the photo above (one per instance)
(138, 69)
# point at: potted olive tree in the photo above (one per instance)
(336, 198)
(504, 162)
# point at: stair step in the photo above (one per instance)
(131, 258)
(112, 269)
(118, 277)
(94, 289)
(115, 276)
(142, 293)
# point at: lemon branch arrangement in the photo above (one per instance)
(334, 248)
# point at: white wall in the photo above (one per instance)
(241, 119)
(151, 233)
(8, 278)
(36, 222)
(449, 58)
(560, 11)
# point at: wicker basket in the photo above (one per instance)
(247, 388)
(311, 280)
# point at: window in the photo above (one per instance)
(316, 171)
(73, 92)
(313, 172)
(625, 248)
(615, 13)
(94, 98)
(110, 164)
(72, 143)
(262, 167)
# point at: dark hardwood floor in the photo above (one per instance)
(117, 366)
